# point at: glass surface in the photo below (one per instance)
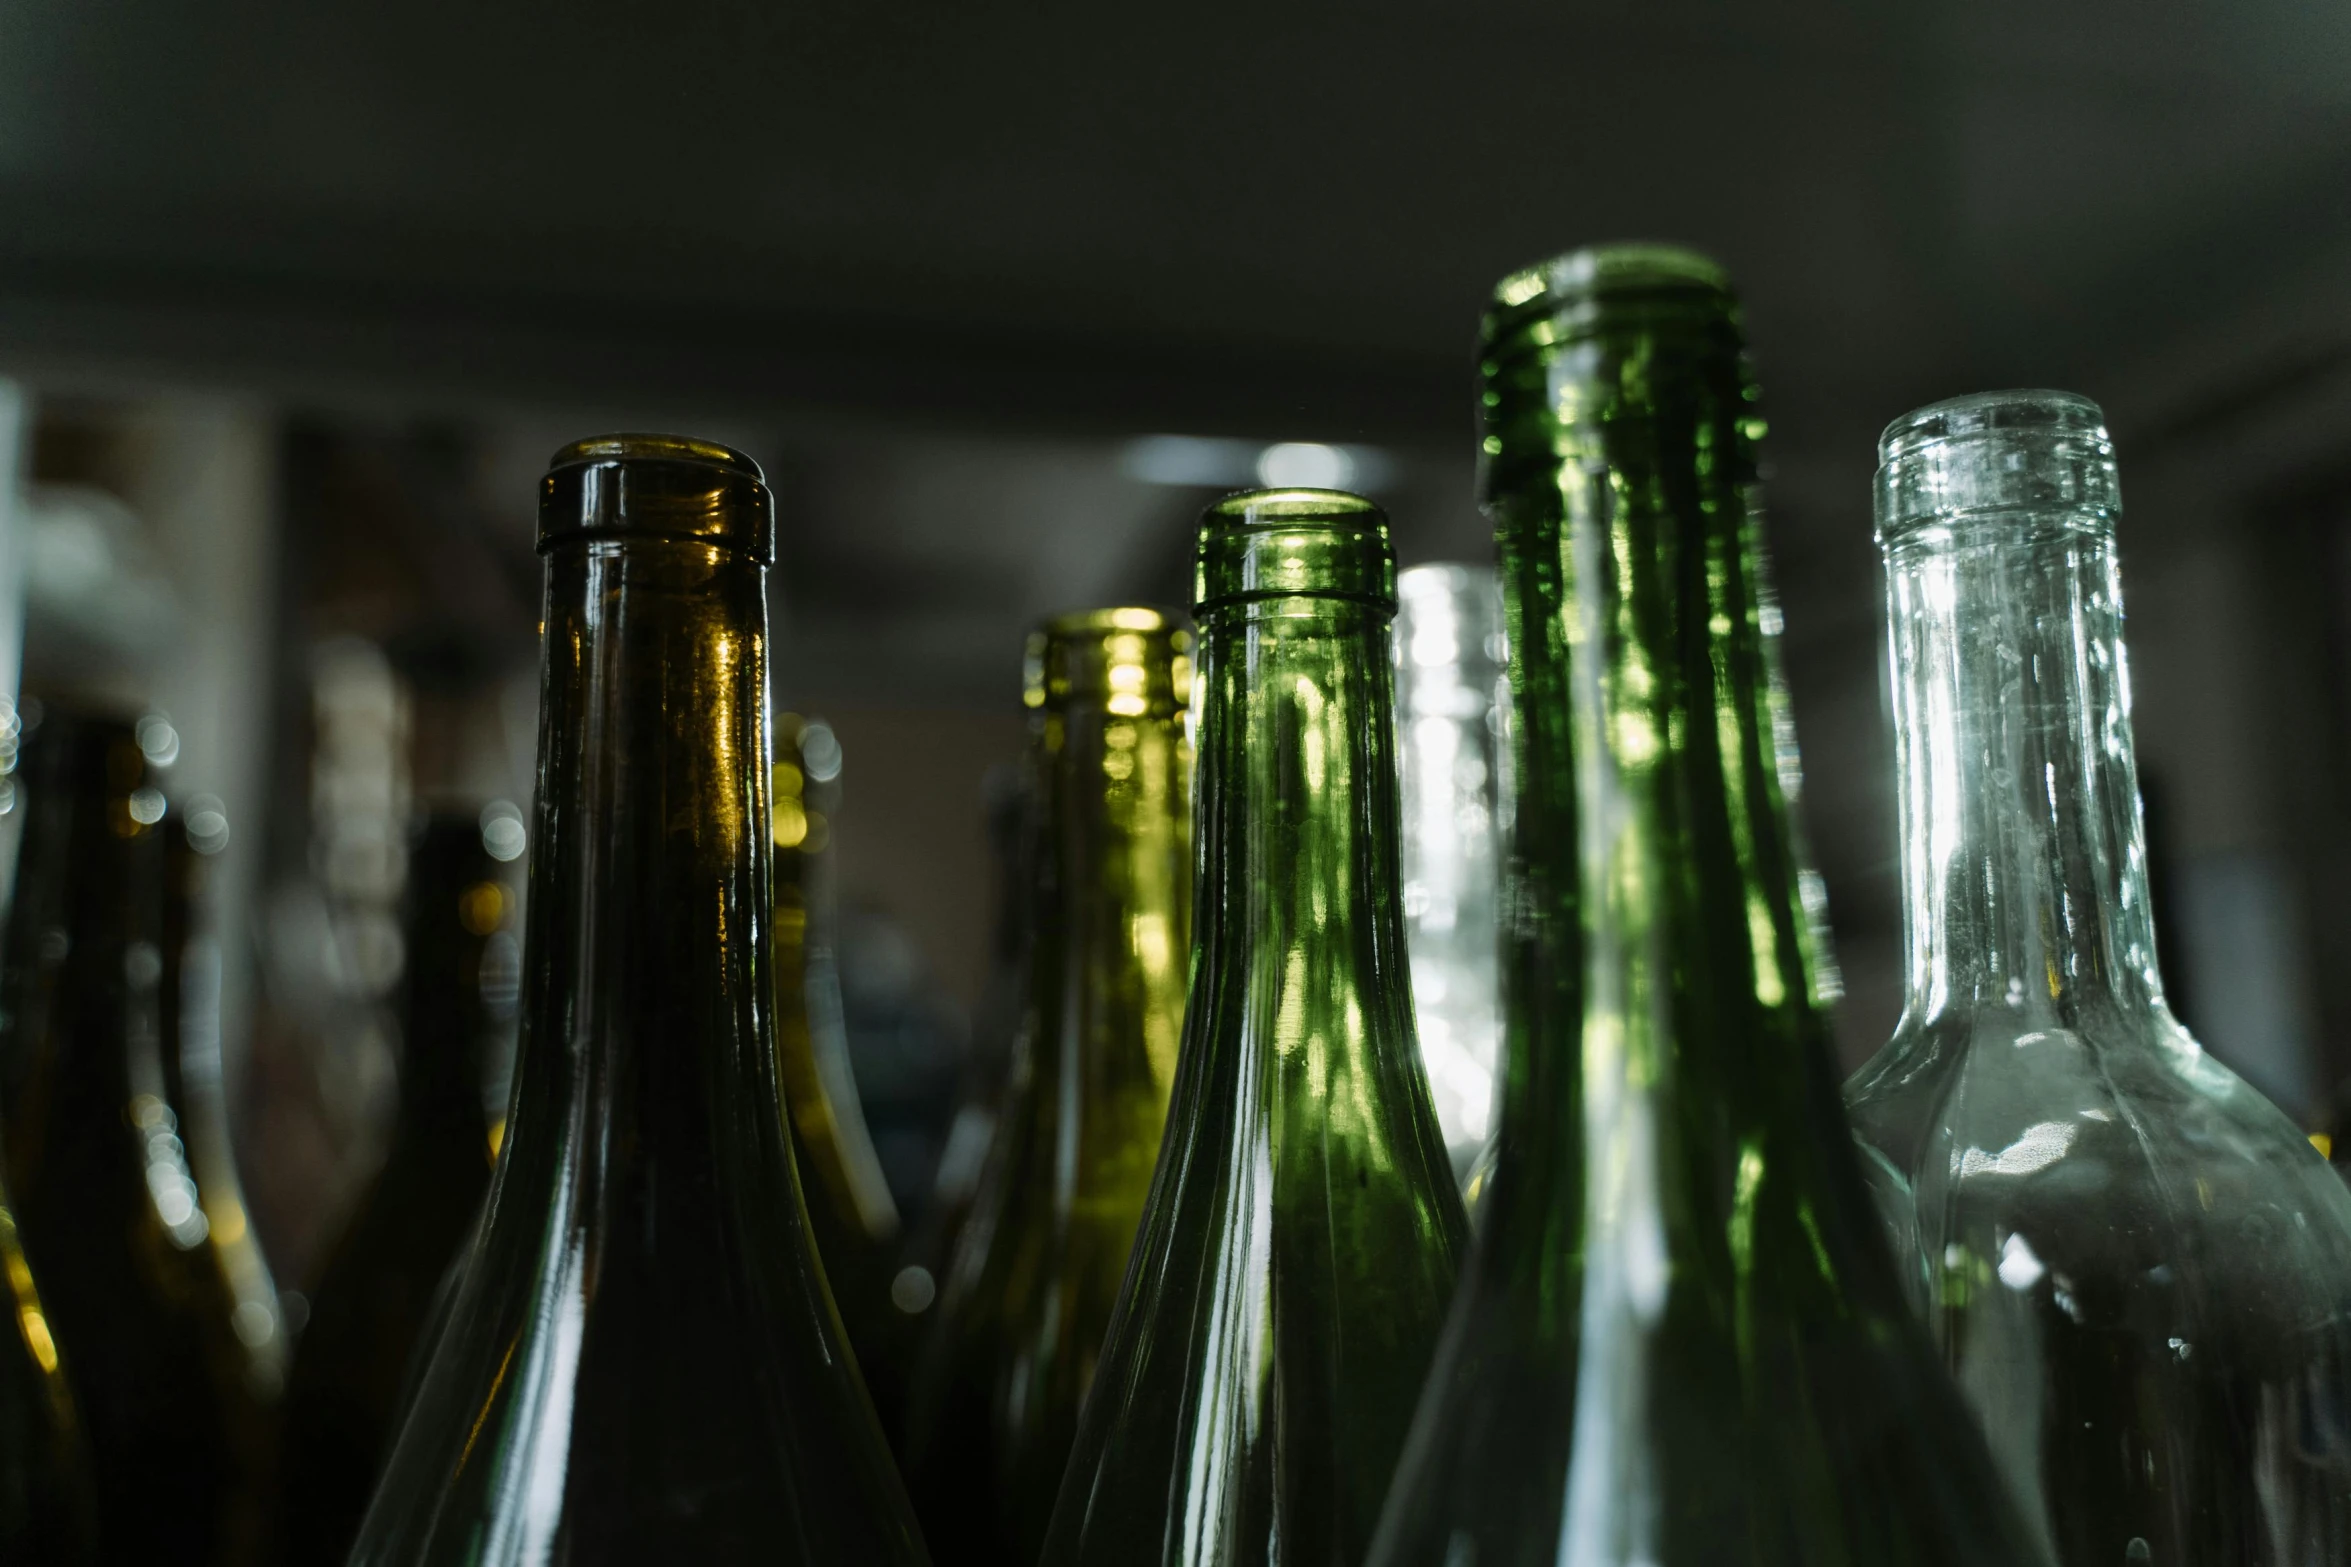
(1449, 738)
(2138, 1268)
(378, 1290)
(1680, 1339)
(167, 1373)
(47, 1500)
(852, 1217)
(1302, 1231)
(643, 1362)
(1038, 1267)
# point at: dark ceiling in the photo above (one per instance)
(1108, 218)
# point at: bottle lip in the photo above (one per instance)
(645, 486)
(1256, 545)
(2016, 453)
(1130, 657)
(1570, 295)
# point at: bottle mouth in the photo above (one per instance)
(656, 487)
(1132, 659)
(1576, 294)
(2024, 451)
(1296, 543)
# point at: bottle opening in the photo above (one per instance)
(2029, 451)
(1569, 295)
(1132, 659)
(656, 486)
(1267, 544)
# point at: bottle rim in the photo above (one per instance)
(648, 486)
(1574, 294)
(2018, 454)
(1131, 657)
(1260, 545)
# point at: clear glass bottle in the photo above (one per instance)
(378, 1291)
(1680, 1340)
(170, 1374)
(1038, 1267)
(1449, 738)
(643, 1362)
(1303, 1227)
(2138, 1268)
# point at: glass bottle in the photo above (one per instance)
(1680, 1338)
(1448, 681)
(127, 1248)
(642, 1362)
(852, 1218)
(377, 1292)
(2139, 1269)
(1302, 1230)
(1039, 1264)
(47, 1498)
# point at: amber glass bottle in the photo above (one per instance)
(135, 1285)
(643, 1363)
(378, 1287)
(1303, 1228)
(47, 1502)
(1039, 1264)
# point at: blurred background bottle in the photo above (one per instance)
(174, 1366)
(1039, 1264)
(1679, 1338)
(48, 1501)
(1303, 1227)
(642, 1361)
(373, 1300)
(852, 1217)
(2138, 1268)
(1449, 678)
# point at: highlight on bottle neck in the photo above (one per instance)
(1589, 291)
(1997, 455)
(656, 487)
(1134, 661)
(1264, 545)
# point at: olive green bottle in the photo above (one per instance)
(47, 1500)
(852, 1218)
(642, 1362)
(377, 1291)
(170, 1373)
(1038, 1267)
(1680, 1339)
(1303, 1228)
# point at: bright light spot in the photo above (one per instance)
(208, 824)
(2019, 1268)
(820, 751)
(254, 1323)
(158, 741)
(503, 834)
(35, 1328)
(913, 1290)
(1189, 460)
(146, 806)
(2040, 1147)
(1305, 465)
(791, 824)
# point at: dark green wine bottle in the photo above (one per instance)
(127, 1249)
(377, 1291)
(643, 1362)
(1300, 1241)
(1680, 1339)
(1038, 1268)
(47, 1497)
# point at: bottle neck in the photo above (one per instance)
(1111, 916)
(645, 1043)
(1298, 900)
(2024, 867)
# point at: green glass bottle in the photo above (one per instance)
(2139, 1270)
(642, 1362)
(1303, 1227)
(378, 1288)
(127, 1248)
(1680, 1339)
(47, 1499)
(1038, 1267)
(852, 1218)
